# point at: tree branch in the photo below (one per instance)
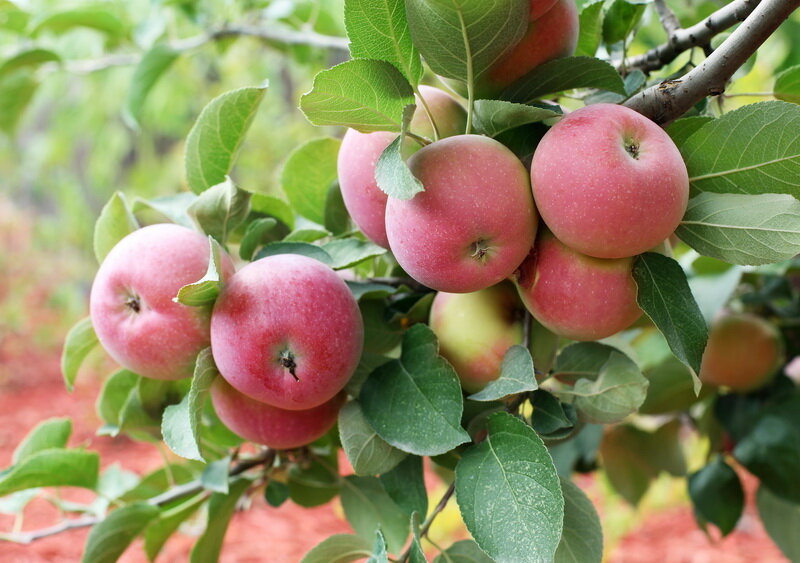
(668, 19)
(666, 101)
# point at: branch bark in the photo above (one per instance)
(668, 19)
(666, 101)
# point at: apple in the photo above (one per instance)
(474, 223)
(264, 424)
(359, 154)
(609, 182)
(574, 295)
(132, 307)
(286, 331)
(743, 352)
(476, 329)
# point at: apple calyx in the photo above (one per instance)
(287, 361)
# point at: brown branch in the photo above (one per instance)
(669, 100)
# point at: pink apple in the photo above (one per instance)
(132, 307)
(574, 295)
(359, 153)
(264, 424)
(474, 223)
(609, 182)
(287, 332)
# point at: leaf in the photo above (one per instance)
(664, 295)
(620, 20)
(362, 94)
(274, 207)
(204, 291)
(153, 64)
(347, 252)
(463, 38)
(420, 382)
(591, 29)
(337, 220)
(55, 467)
(781, 519)
(565, 74)
(717, 495)
(159, 530)
(367, 452)
(220, 209)
(464, 551)
(181, 424)
(787, 85)
(308, 174)
(92, 18)
(51, 433)
(116, 221)
(302, 248)
(111, 536)
(255, 236)
(582, 539)
(743, 229)
(339, 548)
(681, 129)
(306, 235)
(516, 376)
(582, 360)
(549, 415)
(378, 29)
(215, 475)
(276, 493)
(415, 553)
(29, 58)
(316, 484)
(405, 485)
(509, 493)
(16, 92)
(392, 174)
(167, 208)
(369, 508)
(747, 151)
(217, 135)
(712, 292)
(80, 340)
(379, 554)
(492, 117)
(113, 397)
(220, 510)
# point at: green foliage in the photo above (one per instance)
(781, 519)
(717, 495)
(787, 85)
(110, 537)
(367, 452)
(116, 221)
(590, 29)
(391, 173)
(205, 290)
(582, 539)
(154, 63)
(220, 209)
(307, 176)
(565, 74)
(369, 508)
(342, 548)
(80, 340)
(220, 511)
(52, 467)
(493, 117)
(517, 375)
(52, 433)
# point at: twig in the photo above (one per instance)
(668, 20)
(666, 101)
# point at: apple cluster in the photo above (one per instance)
(285, 332)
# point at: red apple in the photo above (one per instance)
(287, 332)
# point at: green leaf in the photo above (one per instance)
(51, 433)
(337, 220)
(391, 171)
(620, 20)
(717, 495)
(420, 382)
(276, 493)
(378, 29)
(347, 252)
(255, 236)
(54, 467)
(215, 475)
(363, 94)
(582, 539)
(115, 222)
(405, 484)
(464, 551)
(220, 209)
(781, 519)
(15, 503)
(516, 376)
(415, 553)
(181, 423)
(92, 18)
(747, 151)
(111, 536)
(153, 64)
(316, 484)
(681, 129)
(308, 174)
(493, 117)
(158, 531)
(509, 493)
(274, 207)
(582, 360)
(166, 208)
(80, 340)
(369, 508)
(16, 91)
(463, 39)
(217, 135)
(113, 397)
(743, 229)
(565, 74)
(591, 29)
(619, 390)
(302, 248)
(29, 58)
(549, 414)
(204, 291)
(220, 510)
(159, 481)
(367, 452)
(379, 554)
(339, 548)
(787, 85)
(664, 295)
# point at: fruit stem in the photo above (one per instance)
(428, 113)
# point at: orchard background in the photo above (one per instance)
(96, 103)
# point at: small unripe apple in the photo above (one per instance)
(574, 295)
(475, 221)
(132, 307)
(609, 182)
(264, 424)
(743, 352)
(286, 331)
(475, 330)
(359, 154)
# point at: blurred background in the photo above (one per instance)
(68, 141)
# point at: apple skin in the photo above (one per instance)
(359, 154)
(474, 223)
(144, 271)
(282, 310)
(595, 195)
(743, 352)
(475, 330)
(264, 424)
(574, 295)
